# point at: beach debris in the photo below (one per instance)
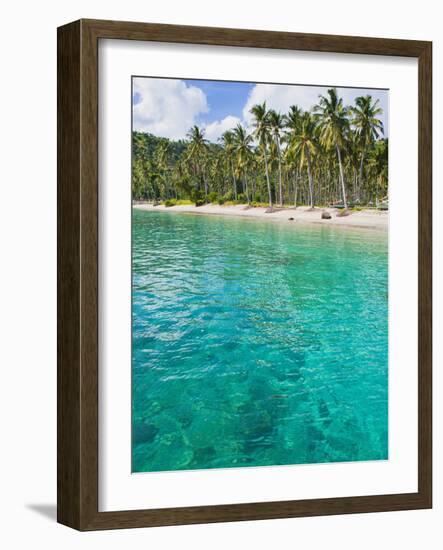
(343, 213)
(326, 215)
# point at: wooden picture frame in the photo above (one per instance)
(78, 274)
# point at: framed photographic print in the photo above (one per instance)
(244, 275)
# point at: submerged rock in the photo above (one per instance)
(144, 433)
(203, 455)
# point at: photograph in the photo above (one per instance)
(259, 274)
(220, 284)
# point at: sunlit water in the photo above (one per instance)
(256, 343)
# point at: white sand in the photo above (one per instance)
(365, 219)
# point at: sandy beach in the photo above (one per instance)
(364, 219)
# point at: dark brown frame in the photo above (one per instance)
(77, 454)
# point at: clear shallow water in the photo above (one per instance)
(256, 343)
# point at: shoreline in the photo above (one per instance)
(363, 219)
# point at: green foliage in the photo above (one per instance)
(213, 196)
(229, 196)
(185, 202)
(170, 202)
(198, 197)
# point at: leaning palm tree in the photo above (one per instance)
(227, 140)
(261, 133)
(334, 125)
(304, 144)
(367, 126)
(197, 151)
(276, 125)
(243, 149)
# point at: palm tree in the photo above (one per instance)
(242, 145)
(293, 118)
(291, 161)
(197, 150)
(227, 140)
(367, 125)
(353, 161)
(303, 142)
(140, 167)
(292, 124)
(261, 133)
(276, 125)
(378, 163)
(334, 126)
(162, 160)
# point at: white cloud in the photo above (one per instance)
(280, 98)
(166, 108)
(215, 129)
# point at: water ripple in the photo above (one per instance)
(256, 343)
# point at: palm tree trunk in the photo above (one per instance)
(267, 176)
(295, 187)
(243, 189)
(233, 181)
(354, 184)
(360, 175)
(279, 174)
(311, 182)
(342, 178)
(205, 182)
(246, 186)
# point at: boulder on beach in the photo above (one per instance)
(291, 219)
(326, 215)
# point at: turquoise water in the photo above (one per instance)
(256, 343)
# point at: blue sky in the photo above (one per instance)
(224, 98)
(169, 107)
